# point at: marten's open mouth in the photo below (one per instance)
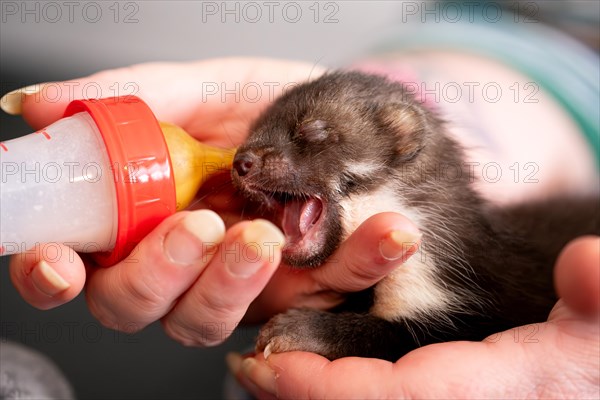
(299, 215)
(300, 221)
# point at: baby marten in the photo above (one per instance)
(330, 153)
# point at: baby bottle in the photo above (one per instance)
(99, 179)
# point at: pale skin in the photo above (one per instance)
(186, 288)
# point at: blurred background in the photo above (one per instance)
(47, 41)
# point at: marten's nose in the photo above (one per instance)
(243, 162)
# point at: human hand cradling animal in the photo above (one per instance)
(555, 359)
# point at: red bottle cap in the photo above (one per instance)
(141, 168)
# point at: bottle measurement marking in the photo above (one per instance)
(46, 135)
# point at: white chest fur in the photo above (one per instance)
(410, 291)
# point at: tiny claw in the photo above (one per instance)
(267, 351)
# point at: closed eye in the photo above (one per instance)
(314, 131)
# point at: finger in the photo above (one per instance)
(44, 103)
(211, 309)
(196, 100)
(48, 275)
(242, 367)
(306, 375)
(379, 245)
(144, 287)
(577, 275)
(484, 371)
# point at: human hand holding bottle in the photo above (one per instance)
(171, 275)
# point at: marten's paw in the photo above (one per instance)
(299, 330)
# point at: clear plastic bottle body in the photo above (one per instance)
(57, 186)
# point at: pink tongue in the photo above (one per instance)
(299, 216)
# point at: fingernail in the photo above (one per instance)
(234, 362)
(12, 102)
(260, 374)
(263, 232)
(399, 244)
(259, 240)
(47, 280)
(197, 233)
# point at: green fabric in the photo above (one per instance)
(563, 67)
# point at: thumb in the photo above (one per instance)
(48, 275)
(577, 279)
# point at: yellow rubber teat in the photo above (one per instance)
(193, 162)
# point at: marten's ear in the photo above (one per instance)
(408, 122)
